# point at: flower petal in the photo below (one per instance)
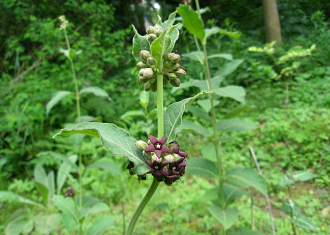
(158, 153)
(153, 139)
(166, 149)
(150, 148)
(162, 140)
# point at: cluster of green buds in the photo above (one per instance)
(167, 163)
(172, 70)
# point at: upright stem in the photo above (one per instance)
(291, 215)
(155, 183)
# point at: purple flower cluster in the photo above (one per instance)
(167, 163)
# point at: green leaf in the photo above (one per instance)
(102, 224)
(133, 113)
(206, 104)
(194, 56)
(243, 231)
(211, 31)
(55, 99)
(44, 191)
(291, 206)
(45, 224)
(115, 139)
(221, 55)
(208, 151)
(173, 116)
(106, 165)
(139, 43)
(63, 172)
(235, 92)
(159, 47)
(60, 157)
(191, 21)
(248, 177)
(144, 98)
(70, 54)
(51, 185)
(69, 222)
(234, 125)
(191, 126)
(237, 111)
(226, 217)
(174, 35)
(303, 176)
(199, 113)
(285, 182)
(97, 208)
(40, 175)
(67, 206)
(202, 167)
(230, 192)
(202, 84)
(182, 86)
(303, 221)
(168, 23)
(19, 222)
(235, 35)
(228, 68)
(97, 91)
(8, 196)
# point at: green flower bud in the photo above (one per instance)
(147, 86)
(147, 154)
(144, 55)
(180, 72)
(150, 30)
(169, 158)
(171, 76)
(154, 158)
(140, 144)
(151, 37)
(143, 79)
(151, 61)
(141, 72)
(165, 81)
(154, 86)
(174, 57)
(147, 73)
(166, 56)
(158, 30)
(142, 65)
(175, 82)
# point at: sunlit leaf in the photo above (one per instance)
(139, 43)
(226, 217)
(102, 224)
(159, 47)
(58, 96)
(97, 91)
(234, 125)
(202, 167)
(235, 92)
(303, 176)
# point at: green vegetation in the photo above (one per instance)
(283, 113)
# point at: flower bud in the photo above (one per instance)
(165, 81)
(144, 54)
(175, 82)
(143, 79)
(140, 144)
(158, 30)
(147, 154)
(141, 72)
(171, 76)
(170, 158)
(154, 158)
(142, 65)
(151, 37)
(150, 30)
(147, 73)
(147, 86)
(166, 56)
(154, 86)
(174, 57)
(180, 72)
(151, 61)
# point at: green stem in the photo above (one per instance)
(160, 108)
(291, 214)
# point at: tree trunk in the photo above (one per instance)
(272, 21)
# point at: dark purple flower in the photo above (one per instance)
(157, 169)
(177, 150)
(171, 179)
(157, 146)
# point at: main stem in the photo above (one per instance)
(155, 183)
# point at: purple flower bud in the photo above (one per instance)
(144, 55)
(147, 73)
(69, 192)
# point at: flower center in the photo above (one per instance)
(158, 146)
(173, 168)
(156, 167)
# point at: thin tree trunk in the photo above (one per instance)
(272, 21)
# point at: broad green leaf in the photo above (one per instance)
(202, 167)
(228, 68)
(195, 127)
(67, 206)
(45, 224)
(97, 208)
(235, 35)
(55, 99)
(248, 177)
(40, 175)
(159, 47)
(115, 139)
(182, 86)
(102, 224)
(211, 31)
(191, 21)
(174, 35)
(64, 171)
(44, 191)
(206, 104)
(168, 23)
(133, 113)
(291, 206)
(230, 194)
(194, 56)
(199, 113)
(87, 118)
(88, 201)
(237, 111)
(235, 92)
(144, 98)
(139, 43)
(69, 222)
(243, 231)
(285, 182)
(234, 125)
(97, 91)
(76, 139)
(303, 176)
(51, 185)
(226, 217)
(8, 196)
(208, 151)
(19, 222)
(106, 165)
(60, 157)
(221, 55)
(303, 221)
(203, 84)
(173, 116)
